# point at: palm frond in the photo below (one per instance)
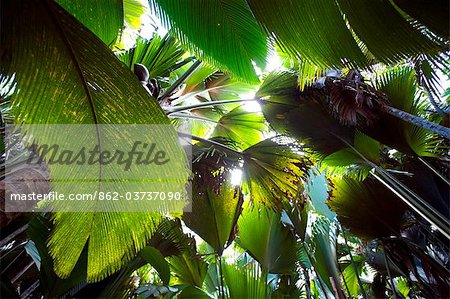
(266, 239)
(245, 283)
(244, 127)
(367, 208)
(310, 28)
(73, 85)
(273, 170)
(400, 85)
(228, 37)
(386, 33)
(160, 55)
(216, 205)
(106, 26)
(433, 15)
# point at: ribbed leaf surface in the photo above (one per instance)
(216, 206)
(313, 28)
(263, 235)
(103, 17)
(66, 75)
(221, 32)
(244, 127)
(272, 171)
(159, 55)
(387, 35)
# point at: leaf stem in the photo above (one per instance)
(212, 142)
(203, 105)
(197, 117)
(414, 201)
(353, 264)
(434, 170)
(222, 287)
(181, 79)
(391, 281)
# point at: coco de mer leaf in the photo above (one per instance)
(66, 75)
(216, 205)
(273, 170)
(104, 17)
(221, 32)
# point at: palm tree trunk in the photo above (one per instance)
(418, 121)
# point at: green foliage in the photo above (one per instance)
(368, 208)
(189, 268)
(244, 127)
(160, 55)
(78, 81)
(216, 206)
(401, 87)
(314, 29)
(105, 18)
(273, 171)
(154, 257)
(245, 283)
(386, 33)
(228, 37)
(322, 247)
(38, 231)
(302, 115)
(263, 235)
(64, 73)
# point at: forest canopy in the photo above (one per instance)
(316, 134)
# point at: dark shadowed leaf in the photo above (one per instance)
(367, 208)
(433, 14)
(385, 32)
(401, 87)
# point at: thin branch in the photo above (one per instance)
(171, 110)
(30, 290)
(420, 77)
(222, 286)
(321, 284)
(212, 142)
(21, 272)
(307, 282)
(416, 207)
(180, 80)
(196, 117)
(391, 281)
(434, 103)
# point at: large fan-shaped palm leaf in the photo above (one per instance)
(263, 235)
(216, 205)
(218, 31)
(66, 75)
